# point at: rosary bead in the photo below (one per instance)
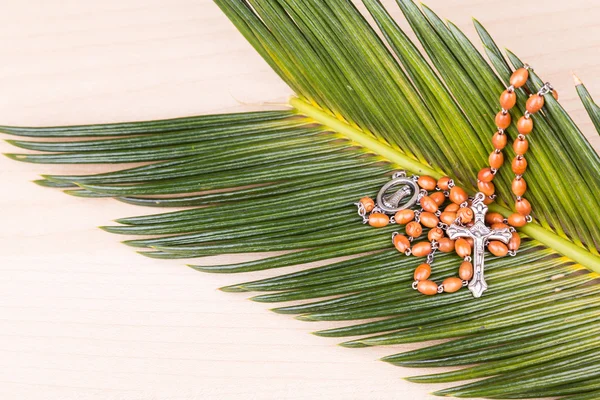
(534, 103)
(523, 207)
(519, 77)
(497, 248)
(525, 125)
(452, 207)
(403, 217)
(435, 234)
(414, 229)
(496, 160)
(499, 140)
(429, 219)
(470, 241)
(422, 272)
(458, 195)
(499, 225)
(438, 197)
(378, 220)
(401, 243)
(508, 99)
(515, 242)
(465, 271)
(488, 200)
(428, 288)
(503, 120)
(448, 217)
(485, 175)
(517, 220)
(463, 248)
(428, 204)
(519, 165)
(520, 146)
(555, 94)
(465, 214)
(493, 218)
(421, 249)
(486, 188)
(446, 245)
(427, 183)
(452, 284)
(444, 182)
(367, 203)
(519, 186)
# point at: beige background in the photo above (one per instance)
(84, 317)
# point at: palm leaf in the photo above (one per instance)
(363, 110)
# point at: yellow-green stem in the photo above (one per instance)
(535, 231)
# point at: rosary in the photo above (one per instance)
(465, 221)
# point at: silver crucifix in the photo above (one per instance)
(480, 234)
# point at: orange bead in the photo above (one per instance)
(446, 245)
(519, 165)
(452, 284)
(378, 220)
(452, 207)
(463, 248)
(488, 200)
(422, 272)
(520, 146)
(523, 207)
(515, 242)
(486, 175)
(519, 77)
(367, 203)
(435, 234)
(517, 220)
(465, 214)
(427, 182)
(443, 182)
(421, 249)
(497, 248)
(428, 204)
(493, 218)
(470, 241)
(496, 160)
(508, 99)
(499, 225)
(555, 94)
(465, 271)
(438, 197)
(403, 217)
(519, 186)
(414, 229)
(503, 120)
(448, 217)
(525, 125)
(428, 288)
(401, 243)
(458, 195)
(534, 103)
(486, 188)
(499, 140)
(428, 219)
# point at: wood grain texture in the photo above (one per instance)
(84, 317)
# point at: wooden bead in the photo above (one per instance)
(428, 204)
(486, 188)
(448, 217)
(493, 218)
(523, 206)
(486, 175)
(403, 217)
(488, 200)
(422, 272)
(435, 234)
(452, 284)
(401, 243)
(534, 103)
(367, 203)
(452, 207)
(519, 77)
(497, 248)
(443, 182)
(378, 220)
(496, 160)
(499, 225)
(438, 197)
(427, 182)
(428, 288)
(524, 125)
(465, 271)
(446, 245)
(508, 99)
(465, 214)
(520, 146)
(519, 165)
(555, 94)
(515, 242)
(463, 248)
(414, 229)
(519, 186)
(470, 241)
(517, 220)
(458, 195)
(421, 249)
(429, 219)
(499, 140)
(503, 120)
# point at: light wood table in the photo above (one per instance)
(83, 317)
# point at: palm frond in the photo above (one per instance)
(591, 107)
(285, 181)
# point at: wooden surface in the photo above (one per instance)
(84, 317)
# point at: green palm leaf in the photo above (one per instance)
(286, 181)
